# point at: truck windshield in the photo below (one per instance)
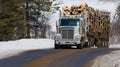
(69, 22)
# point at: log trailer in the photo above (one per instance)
(82, 26)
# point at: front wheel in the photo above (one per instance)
(56, 46)
(87, 45)
(106, 45)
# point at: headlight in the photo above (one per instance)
(58, 37)
(77, 36)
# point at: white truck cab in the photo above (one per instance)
(70, 32)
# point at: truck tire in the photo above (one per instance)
(87, 45)
(106, 45)
(103, 45)
(79, 46)
(99, 44)
(56, 46)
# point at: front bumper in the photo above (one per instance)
(67, 42)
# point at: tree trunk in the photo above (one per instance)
(36, 34)
(27, 19)
(43, 32)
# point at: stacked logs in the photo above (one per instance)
(75, 10)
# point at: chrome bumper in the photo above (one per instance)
(67, 42)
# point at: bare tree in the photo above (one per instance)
(115, 28)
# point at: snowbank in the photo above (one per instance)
(110, 60)
(27, 44)
(10, 53)
(114, 46)
(12, 48)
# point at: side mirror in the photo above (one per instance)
(57, 26)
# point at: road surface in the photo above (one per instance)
(55, 58)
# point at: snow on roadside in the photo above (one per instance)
(109, 60)
(12, 48)
(10, 53)
(114, 46)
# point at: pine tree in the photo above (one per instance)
(36, 14)
(17, 17)
(12, 20)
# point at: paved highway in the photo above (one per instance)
(55, 58)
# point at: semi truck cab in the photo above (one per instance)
(70, 32)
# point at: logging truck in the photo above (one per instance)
(82, 26)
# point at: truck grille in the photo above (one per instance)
(67, 34)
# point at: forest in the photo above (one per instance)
(19, 18)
